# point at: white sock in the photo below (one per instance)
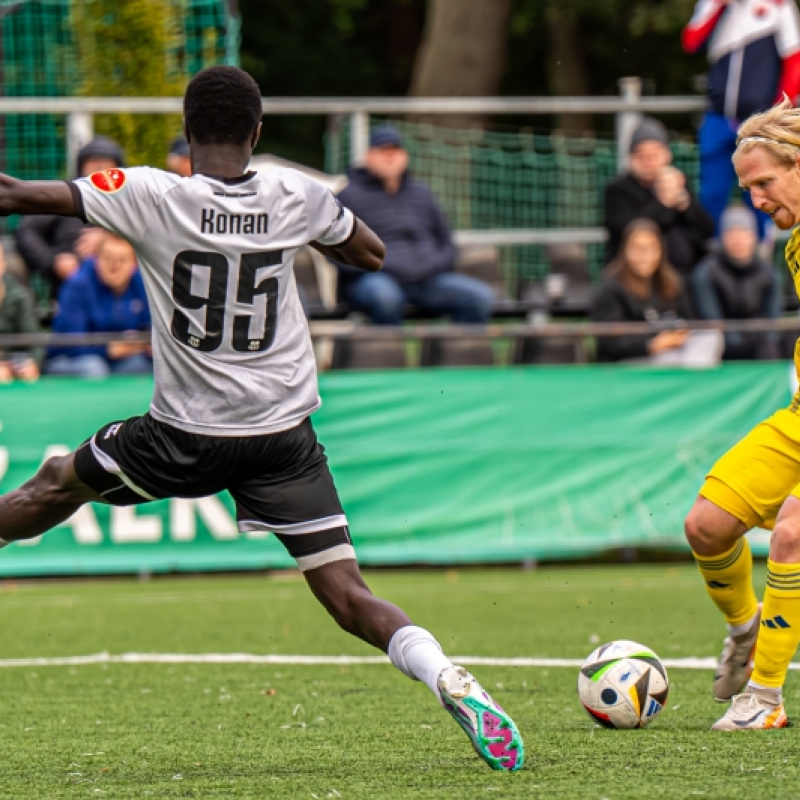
(768, 693)
(418, 655)
(738, 630)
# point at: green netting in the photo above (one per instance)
(39, 58)
(488, 180)
(36, 46)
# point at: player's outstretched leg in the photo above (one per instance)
(52, 495)
(416, 653)
(760, 706)
(726, 564)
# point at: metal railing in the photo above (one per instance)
(350, 329)
(627, 108)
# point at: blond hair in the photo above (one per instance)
(777, 130)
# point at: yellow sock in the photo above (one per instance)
(779, 633)
(729, 582)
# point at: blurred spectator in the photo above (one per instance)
(735, 283)
(178, 160)
(640, 285)
(106, 295)
(754, 50)
(420, 254)
(52, 247)
(654, 189)
(17, 316)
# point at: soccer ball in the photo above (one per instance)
(623, 684)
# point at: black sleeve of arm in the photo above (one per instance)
(607, 308)
(616, 214)
(622, 205)
(698, 218)
(32, 245)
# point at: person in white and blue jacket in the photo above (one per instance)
(754, 51)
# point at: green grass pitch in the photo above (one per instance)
(287, 731)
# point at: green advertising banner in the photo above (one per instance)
(434, 466)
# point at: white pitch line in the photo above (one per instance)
(300, 660)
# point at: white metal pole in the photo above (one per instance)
(630, 90)
(80, 130)
(359, 137)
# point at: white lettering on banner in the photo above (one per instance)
(3, 462)
(128, 528)
(84, 524)
(183, 527)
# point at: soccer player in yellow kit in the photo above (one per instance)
(757, 482)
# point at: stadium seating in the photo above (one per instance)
(382, 353)
(549, 350)
(566, 288)
(483, 263)
(464, 351)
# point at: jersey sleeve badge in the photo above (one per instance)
(108, 180)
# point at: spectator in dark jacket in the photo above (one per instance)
(105, 295)
(52, 247)
(654, 189)
(420, 255)
(640, 285)
(735, 283)
(17, 316)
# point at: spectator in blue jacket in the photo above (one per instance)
(420, 254)
(52, 246)
(105, 295)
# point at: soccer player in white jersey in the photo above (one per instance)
(235, 378)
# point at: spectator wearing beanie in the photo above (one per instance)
(52, 247)
(654, 189)
(735, 283)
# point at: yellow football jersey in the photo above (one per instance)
(793, 257)
(754, 478)
(792, 253)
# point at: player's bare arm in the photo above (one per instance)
(363, 249)
(35, 197)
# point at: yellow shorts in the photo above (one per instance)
(754, 478)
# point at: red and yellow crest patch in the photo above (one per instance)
(108, 180)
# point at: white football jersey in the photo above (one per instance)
(231, 349)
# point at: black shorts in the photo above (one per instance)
(280, 482)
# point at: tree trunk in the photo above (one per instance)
(462, 54)
(566, 64)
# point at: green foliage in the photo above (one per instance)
(131, 48)
(638, 17)
(660, 17)
(616, 38)
(331, 48)
(345, 13)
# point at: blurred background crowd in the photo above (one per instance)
(655, 228)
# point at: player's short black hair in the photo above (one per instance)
(222, 105)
